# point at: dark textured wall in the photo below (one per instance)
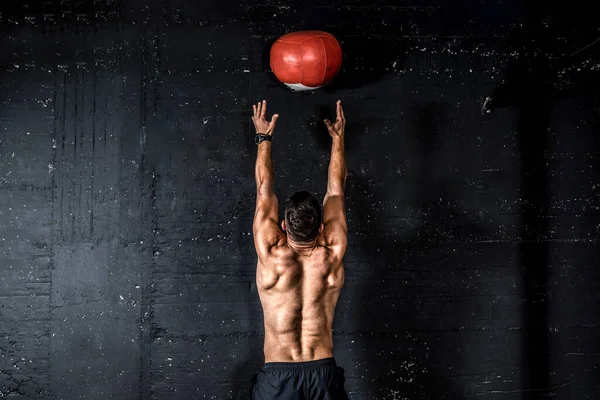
(126, 196)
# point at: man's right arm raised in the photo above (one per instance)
(334, 216)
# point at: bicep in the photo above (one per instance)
(266, 232)
(335, 230)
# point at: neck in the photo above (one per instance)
(300, 247)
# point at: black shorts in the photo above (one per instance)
(310, 380)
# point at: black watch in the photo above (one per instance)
(260, 137)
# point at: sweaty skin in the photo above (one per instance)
(299, 283)
(299, 292)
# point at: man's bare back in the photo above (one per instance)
(299, 293)
(299, 274)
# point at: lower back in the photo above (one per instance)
(285, 348)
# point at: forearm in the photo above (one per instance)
(337, 167)
(264, 168)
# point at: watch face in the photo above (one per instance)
(261, 138)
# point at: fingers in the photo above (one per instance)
(258, 110)
(339, 114)
(339, 111)
(274, 119)
(263, 108)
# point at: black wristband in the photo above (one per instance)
(261, 137)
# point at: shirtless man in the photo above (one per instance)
(299, 275)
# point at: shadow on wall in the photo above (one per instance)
(547, 71)
(366, 60)
(400, 305)
(251, 356)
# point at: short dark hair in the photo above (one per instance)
(303, 216)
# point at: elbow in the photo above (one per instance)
(264, 188)
(337, 186)
(335, 190)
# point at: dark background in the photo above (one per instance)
(127, 190)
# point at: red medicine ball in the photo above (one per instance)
(306, 60)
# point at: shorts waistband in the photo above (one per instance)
(324, 362)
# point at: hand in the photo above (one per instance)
(337, 128)
(260, 122)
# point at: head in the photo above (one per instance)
(303, 217)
